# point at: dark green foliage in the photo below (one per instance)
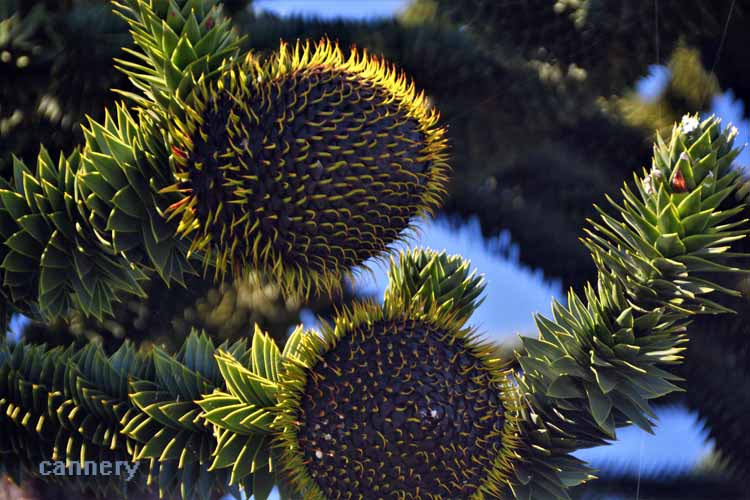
(41, 381)
(690, 87)
(207, 416)
(133, 405)
(690, 486)
(717, 363)
(613, 41)
(167, 316)
(168, 430)
(597, 363)
(177, 43)
(50, 261)
(56, 65)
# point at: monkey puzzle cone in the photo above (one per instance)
(306, 164)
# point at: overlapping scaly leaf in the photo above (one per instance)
(179, 41)
(96, 400)
(170, 430)
(51, 259)
(123, 164)
(140, 406)
(434, 278)
(87, 229)
(243, 414)
(596, 364)
(36, 426)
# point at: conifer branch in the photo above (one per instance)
(396, 400)
(596, 364)
(301, 166)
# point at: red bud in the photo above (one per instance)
(678, 182)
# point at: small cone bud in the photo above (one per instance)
(678, 181)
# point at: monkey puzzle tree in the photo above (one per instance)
(302, 164)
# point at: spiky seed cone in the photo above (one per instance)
(433, 279)
(384, 405)
(306, 165)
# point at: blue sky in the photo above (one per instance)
(361, 9)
